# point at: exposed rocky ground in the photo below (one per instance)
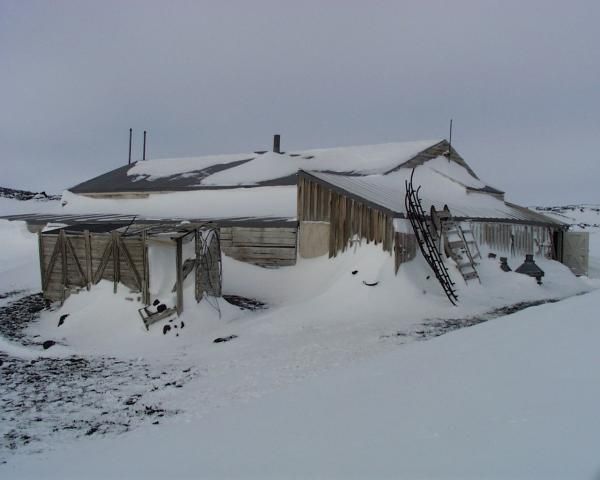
(26, 195)
(75, 396)
(439, 326)
(580, 216)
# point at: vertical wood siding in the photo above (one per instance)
(351, 220)
(513, 239)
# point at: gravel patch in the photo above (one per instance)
(432, 328)
(47, 400)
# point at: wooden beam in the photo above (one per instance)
(115, 252)
(41, 259)
(129, 260)
(63, 256)
(146, 270)
(179, 284)
(198, 290)
(103, 262)
(88, 257)
(51, 264)
(77, 263)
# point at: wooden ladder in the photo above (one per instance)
(461, 246)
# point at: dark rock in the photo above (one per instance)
(156, 302)
(166, 329)
(61, 320)
(182, 324)
(161, 308)
(224, 339)
(48, 343)
(504, 265)
(491, 255)
(245, 303)
(354, 272)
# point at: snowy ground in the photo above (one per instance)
(331, 380)
(511, 398)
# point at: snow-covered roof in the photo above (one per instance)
(263, 185)
(260, 169)
(442, 183)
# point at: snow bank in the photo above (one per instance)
(356, 293)
(19, 260)
(101, 322)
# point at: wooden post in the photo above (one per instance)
(179, 282)
(63, 257)
(88, 257)
(146, 270)
(115, 252)
(41, 255)
(198, 280)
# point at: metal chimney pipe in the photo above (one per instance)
(277, 143)
(130, 138)
(144, 151)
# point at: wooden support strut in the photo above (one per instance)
(146, 270)
(179, 284)
(103, 262)
(77, 262)
(63, 256)
(88, 257)
(198, 272)
(42, 260)
(129, 260)
(116, 262)
(53, 258)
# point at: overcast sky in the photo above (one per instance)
(520, 79)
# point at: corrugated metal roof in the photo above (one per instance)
(379, 191)
(121, 220)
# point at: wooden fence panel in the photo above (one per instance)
(71, 261)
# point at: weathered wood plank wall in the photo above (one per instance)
(514, 239)
(351, 220)
(71, 261)
(405, 249)
(263, 246)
